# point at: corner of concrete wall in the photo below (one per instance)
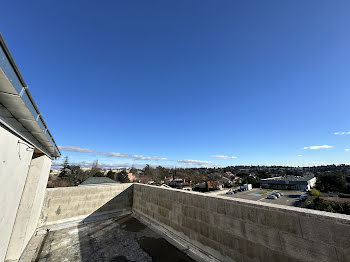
(81, 203)
(244, 230)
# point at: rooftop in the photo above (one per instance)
(98, 180)
(118, 240)
(288, 178)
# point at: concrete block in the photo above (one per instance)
(221, 207)
(203, 215)
(263, 235)
(326, 230)
(267, 255)
(197, 201)
(211, 204)
(285, 222)
(343, 254)
(236, 227)
(163, 212)
(241, 211)
(307, 250)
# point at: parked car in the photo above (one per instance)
(229, 193)
(271, 197)
(276, 194)
(280, 193)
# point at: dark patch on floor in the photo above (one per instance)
(131, 224)
(120, 259)
(161, 250)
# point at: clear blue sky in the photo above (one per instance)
(188, 80)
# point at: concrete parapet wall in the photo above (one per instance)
(243, 230)
(68, 204)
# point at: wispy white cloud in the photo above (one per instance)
(318, 147)
(197, 162)
(347, 149)
(88, 164)
(342, 133)
(136, 157)
(313, 163)
(111, 154)
(223, 157)
(76, 149)
(300, 155)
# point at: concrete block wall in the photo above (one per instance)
(243, 230)
(66, 204)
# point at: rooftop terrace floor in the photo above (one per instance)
(118, 240)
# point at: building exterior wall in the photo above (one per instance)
(302, 187)
(14, 165)
(243, 230)
(67, 204)
(30, 206)
(312, 182)
(291, 186)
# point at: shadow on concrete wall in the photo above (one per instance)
(123, 238)
(97, 235)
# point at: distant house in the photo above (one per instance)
(226, 180)
(167, 180)
(229, 174)
(176, 182)
(237, 179)
(98, 180)
(204, 186)
(247, 187)
(289, 182)
(252, 175)
(131, 176)
(217, 185)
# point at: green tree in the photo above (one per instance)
(65, 171)
(66, 162)
(78, 175)
(94, 169)
(206, 186)
(112, 175)
(331, 183)
(99, 174)
(315, 192)
(252, 180)
(133, 170)
(262, 174)
(123, 177)
(147, 170)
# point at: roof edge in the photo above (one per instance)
(13, 64)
